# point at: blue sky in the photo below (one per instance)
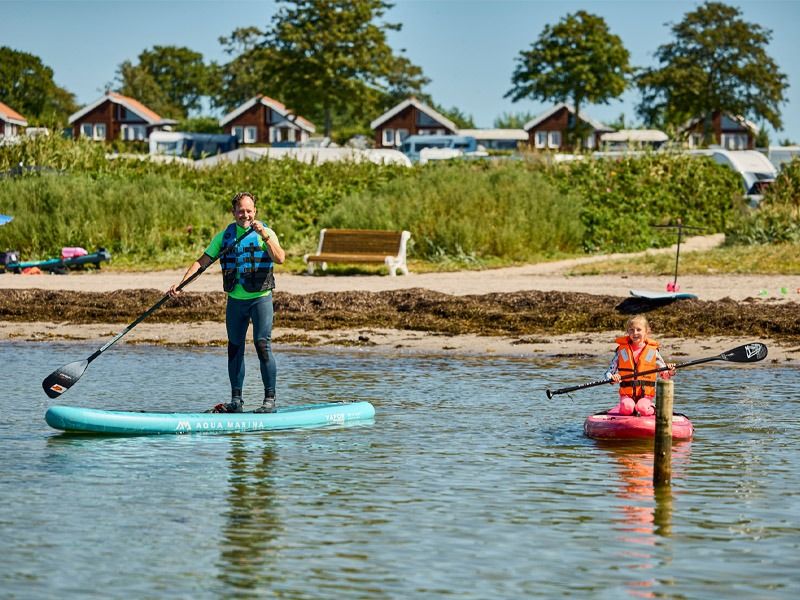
(467, 48)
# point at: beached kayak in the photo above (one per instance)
(90, 420)
(603, 426)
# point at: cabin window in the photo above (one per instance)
(249, 135)
(87, 130)
(728, 124)
(540, 139)
(733, 141)
(100, 131)
(401, 136)
(388, 137)
(554, 139)
(425, 119)
(238, 132)
(133, 132)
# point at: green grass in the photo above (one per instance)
(774, 259)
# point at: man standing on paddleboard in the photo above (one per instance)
(247, 276)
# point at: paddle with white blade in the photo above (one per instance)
(742, 354)
(60, 380)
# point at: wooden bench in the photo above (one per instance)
(361, 246)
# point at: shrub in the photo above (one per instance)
(461, 209)
(623, 198)
(777, 219)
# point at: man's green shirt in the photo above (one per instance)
(215, 247)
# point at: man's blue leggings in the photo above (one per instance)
(238, 315)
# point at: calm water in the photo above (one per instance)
(469, 484)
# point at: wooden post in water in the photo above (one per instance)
(662, 452)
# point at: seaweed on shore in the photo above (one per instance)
(509, 314)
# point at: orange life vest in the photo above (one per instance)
(637, 386)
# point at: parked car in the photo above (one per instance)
(464, 145)
(194, 145)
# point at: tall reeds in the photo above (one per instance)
(71, 193)
(464, 211)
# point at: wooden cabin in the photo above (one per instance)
(549, 130)
(263, 120)
(410, 117)
(12, 124)
(114, 117)
(727, 131)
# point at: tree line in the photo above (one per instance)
(330, 61)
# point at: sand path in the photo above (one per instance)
(541, 277)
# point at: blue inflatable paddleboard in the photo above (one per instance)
(116, 422)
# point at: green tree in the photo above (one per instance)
(404, 79)
(172, 77)
(247, 74)
(27, 86)
(717, 61)
(762, 137)
(456, 115)
(180, 72)
(200, 125)
(509, 120)
(619, 124)
(136, 82)
(578, 60)
(332, 56)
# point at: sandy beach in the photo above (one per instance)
(544, 277)
(549, 276)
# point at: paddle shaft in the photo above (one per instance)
(680, 227)
(574, 388)
(166, 297)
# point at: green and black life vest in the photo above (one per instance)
(249, 264)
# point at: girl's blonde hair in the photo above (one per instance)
(640, 318)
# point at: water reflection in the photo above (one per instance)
(450, 493)
(251, 526)
(645, 512)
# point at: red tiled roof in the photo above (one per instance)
(136, 106)
(10, 113)
(268, 99)
(280, 107)
(412, 101)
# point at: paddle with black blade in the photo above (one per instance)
(60, 380)
(743, 354)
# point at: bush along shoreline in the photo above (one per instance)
(470, 213)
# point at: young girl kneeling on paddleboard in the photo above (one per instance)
(636, 353)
